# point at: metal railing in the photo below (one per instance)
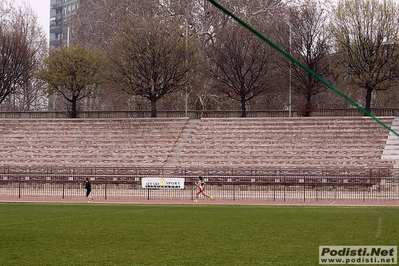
(320, 185)
(196, 114)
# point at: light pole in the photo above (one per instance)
(186, 40)
(68, 37)
(290, 64)
(186, 59)
(290, 75)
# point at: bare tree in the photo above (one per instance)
(22, 47)
(96, 24)
(101, 19)
(204, 21)
(239, 65)
(151, 58)
(367, 34)
(74, 72)
(303, 34)
(311, 45)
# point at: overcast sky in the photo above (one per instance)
(42, 9)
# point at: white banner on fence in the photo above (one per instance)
(162, 183)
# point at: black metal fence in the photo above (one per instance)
(196, 114)
(310, 185)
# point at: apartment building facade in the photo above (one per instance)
(60, 12)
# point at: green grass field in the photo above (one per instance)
(119, 234)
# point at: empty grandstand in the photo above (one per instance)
(353, 153)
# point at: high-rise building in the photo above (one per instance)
(60, 11)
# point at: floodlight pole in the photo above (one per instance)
(186, 40)
(290, 75)
(68, 37)
(290, 65)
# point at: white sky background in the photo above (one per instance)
(42, 10)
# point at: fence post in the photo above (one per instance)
(364, 193)
(19, 187)
(63, 188)
(284, 191)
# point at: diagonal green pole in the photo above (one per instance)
(295, 61)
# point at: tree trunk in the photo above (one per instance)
(308, 106)
(368, 99)
(243, 107)
(153, 108)
(74, 112)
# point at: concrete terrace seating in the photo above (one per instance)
(317, 142)
(264, 143)
(88, 142)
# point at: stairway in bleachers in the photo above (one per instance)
(391, 151)
(183, 140)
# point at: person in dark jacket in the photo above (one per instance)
(88, 190)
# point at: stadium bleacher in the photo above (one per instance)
(88, 142)
(316, 142)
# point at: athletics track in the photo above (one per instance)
(200, 201)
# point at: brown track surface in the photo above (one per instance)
(201, 201)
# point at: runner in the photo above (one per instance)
(88, 190)
(201, 185)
